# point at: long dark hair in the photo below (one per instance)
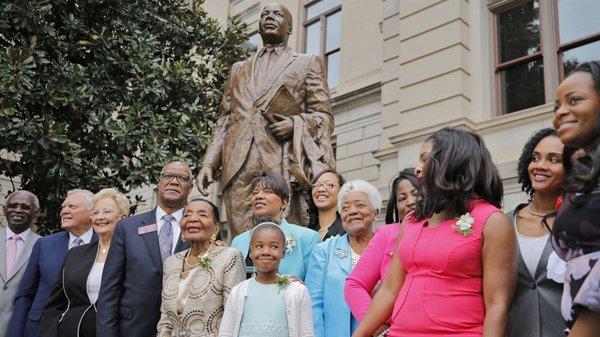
(527, 156)
(391, 212)
(313, 212)
(458, 168)
(584, 172)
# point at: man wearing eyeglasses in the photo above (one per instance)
(129, 298)
(16, 244)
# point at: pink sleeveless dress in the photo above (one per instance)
(442, 293)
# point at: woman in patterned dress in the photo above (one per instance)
(576, 233)
(198, 281)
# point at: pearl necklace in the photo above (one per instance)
(533, 212)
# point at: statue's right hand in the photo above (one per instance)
(204, 179)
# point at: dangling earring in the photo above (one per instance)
(213, 238)
(183, 239)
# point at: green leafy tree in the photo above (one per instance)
(101, 93)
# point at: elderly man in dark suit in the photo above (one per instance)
(16, 243)
(129, 299)
(275, 115)
(45, 261)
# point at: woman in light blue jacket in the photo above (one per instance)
(270, 196)
(332, 261)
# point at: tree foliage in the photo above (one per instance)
(101, 93)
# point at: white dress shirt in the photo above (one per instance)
(93, 281)
(86, 237)
(176, 230)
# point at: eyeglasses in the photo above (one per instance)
(327, 186)
(181, 178)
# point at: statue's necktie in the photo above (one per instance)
(165, 237)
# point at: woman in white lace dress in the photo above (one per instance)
(197, 281)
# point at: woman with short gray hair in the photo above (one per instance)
(332, 261)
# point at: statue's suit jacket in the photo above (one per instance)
(11, 284)
(535, 308)
(297, 82)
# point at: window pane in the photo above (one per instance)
(334, 32)
(254, 40)
(333, 69)
(313, 38)
(522, 86)
(519, 32)
(575, 56)
(320, 7)
(577, 19)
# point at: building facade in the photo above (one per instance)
(400, 69)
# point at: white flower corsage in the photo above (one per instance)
(290, 243)
(464, 225)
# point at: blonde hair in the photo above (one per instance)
(119, 198)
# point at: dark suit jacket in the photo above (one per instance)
(42, 272)
(69, 308)
(296, 83)
(129, 300)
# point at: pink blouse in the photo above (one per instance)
(370, 270)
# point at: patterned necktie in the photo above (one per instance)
(11, 254)
(77, 242)
(165, 237)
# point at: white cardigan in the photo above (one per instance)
(298, 310)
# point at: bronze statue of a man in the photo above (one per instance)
(275, 116)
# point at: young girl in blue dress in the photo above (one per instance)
(267, 304)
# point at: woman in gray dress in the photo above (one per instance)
(535, 309)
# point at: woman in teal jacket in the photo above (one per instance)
(270, 195)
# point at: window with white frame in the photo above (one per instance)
(537, 42)
(323, 35)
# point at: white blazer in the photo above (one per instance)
(298, 309)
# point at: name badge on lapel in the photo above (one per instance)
(341, 253)
(147, 229)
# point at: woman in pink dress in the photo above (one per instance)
(377, 257)
(455, 269)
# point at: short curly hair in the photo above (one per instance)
(527, 156)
